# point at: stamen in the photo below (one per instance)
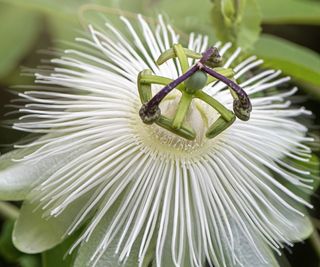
(241, 105)
(150, 111)
(211, 57)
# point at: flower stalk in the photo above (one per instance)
(8, 211)
(315, 241)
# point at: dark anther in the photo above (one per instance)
(149, 115)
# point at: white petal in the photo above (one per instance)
(18, 178)
(34, 234)
(300, 226)
(247, 256)
(88, 255)
(167, 257)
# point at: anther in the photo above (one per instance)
(149, 115)
(196, 79)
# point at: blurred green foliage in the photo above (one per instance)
(19, 28)
(234, 20)
(29, 25)
(59, 256)
(9, 254)
(238, 22)
(301, 63)
(290, 11)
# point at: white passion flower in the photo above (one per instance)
(144, 194)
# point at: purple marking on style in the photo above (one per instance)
(155, 101)
(242, 95)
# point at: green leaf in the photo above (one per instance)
(18, 30)
(66, 18)
(297, 61)
(10, 253)
(7, 250)
(193, 17)
(60, 33)
(68, 9)
(136, 6)
(29, 261)
(237, 21)
(290, 11)
(56, 7)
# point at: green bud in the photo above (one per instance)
(197, 81)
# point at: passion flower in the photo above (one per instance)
(196, 185)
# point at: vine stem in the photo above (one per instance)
(316, 223)
(315, 237)
(8, 211)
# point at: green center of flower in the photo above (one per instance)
(190, 85)
(160, 140)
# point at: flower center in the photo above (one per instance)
(158, 141)
(190, 85)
